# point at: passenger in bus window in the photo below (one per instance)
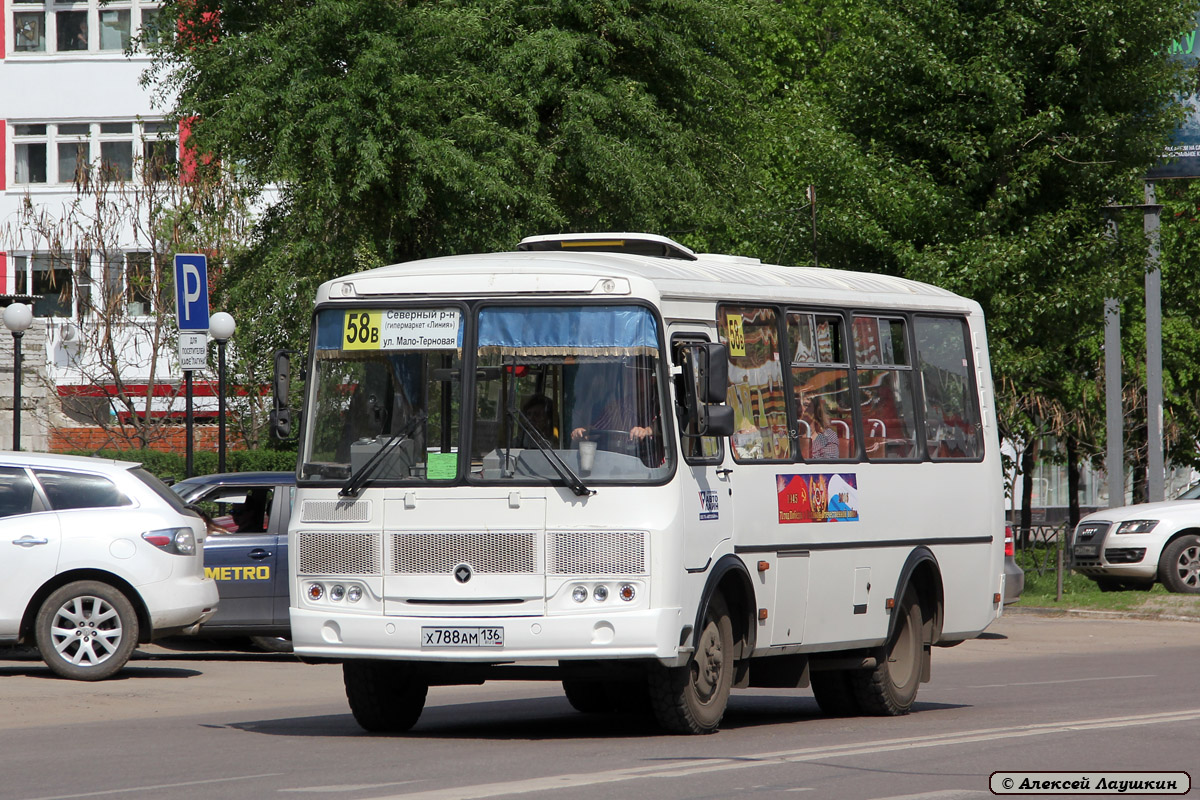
(824, 437)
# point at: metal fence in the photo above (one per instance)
(1045, 549)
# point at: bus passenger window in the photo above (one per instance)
(885, 385)
(755, 384)
(821, 386)
(952, 419)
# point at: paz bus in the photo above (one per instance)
(651, 474)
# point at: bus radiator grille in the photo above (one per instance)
(596, 553)
(507, 553)
(338, 554)
(335, 511)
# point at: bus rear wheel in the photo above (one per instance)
(890, 689)
(383, 695)
(692, 699)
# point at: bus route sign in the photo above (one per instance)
(402, 329)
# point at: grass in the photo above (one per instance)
(1080, 592)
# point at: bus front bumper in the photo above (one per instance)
(654, 633)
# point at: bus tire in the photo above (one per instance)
(383, 696)
(587, 697)
(890, 689)
(834, 691)
(692, 699)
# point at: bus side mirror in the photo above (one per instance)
(716, 420)
(281, 415)
(713, 380)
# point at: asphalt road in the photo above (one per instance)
(1035, 693)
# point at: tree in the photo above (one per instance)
(975, 146)
(395, 131)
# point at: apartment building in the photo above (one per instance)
(80, 144)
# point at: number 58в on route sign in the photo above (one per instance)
(402, 329)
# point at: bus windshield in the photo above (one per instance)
(577, 384)
(385, 391)
(562, 394)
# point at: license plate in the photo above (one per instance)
(462, 637)
(1086, 550)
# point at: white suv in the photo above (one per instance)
(95, 556)
(1133, 546)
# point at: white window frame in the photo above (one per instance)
(49, 10)
(53, 137)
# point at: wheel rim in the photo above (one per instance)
(1188, 566)
(902, 659)
(86, 631)
(708, 663)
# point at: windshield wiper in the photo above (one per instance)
(360, 476)
(547, 450)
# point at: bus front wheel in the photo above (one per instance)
(692, 699)
(890, 689)
(383, 696)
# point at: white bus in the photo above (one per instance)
(650, 474)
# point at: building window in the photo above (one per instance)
(160, 151)
(29, 32)
(72, 30)
(94, 26)
(139, 284)
(114, 29)
(74, 153)
(66, 152)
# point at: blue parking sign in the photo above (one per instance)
(191, 291)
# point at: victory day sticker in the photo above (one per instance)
(817, 498)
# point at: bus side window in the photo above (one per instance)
(821, 386)
(696, 449)
(952, 419)
(756, 390)
(885, 386)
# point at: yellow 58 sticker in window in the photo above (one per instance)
(362, 330)
(735, 335)
(402, 329)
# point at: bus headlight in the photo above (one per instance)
(579, 594)
(600, 593)
(315, 591)
(354, 594)
(627, 592)
(337, 592)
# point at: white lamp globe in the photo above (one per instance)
(221, 326)
(18, 317)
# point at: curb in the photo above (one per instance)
(1087, 613)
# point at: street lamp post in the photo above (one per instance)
(221, 326)
(17, 318)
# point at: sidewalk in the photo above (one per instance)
(1177, 608)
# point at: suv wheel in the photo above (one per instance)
(86, 631)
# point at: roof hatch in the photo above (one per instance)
(638, 244)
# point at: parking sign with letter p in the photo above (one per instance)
(191, 291)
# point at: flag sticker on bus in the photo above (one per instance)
(402, 329)
(817, 498)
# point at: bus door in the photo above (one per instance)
(706, 482)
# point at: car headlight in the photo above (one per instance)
(1137, 526)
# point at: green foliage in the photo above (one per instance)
(171, 467)
(972, 145)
